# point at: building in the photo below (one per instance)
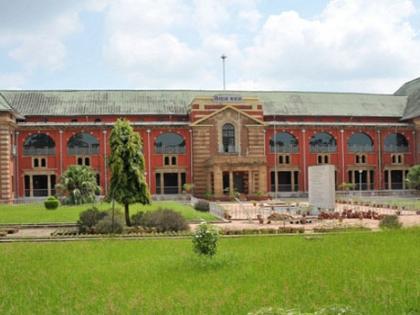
(254, 142)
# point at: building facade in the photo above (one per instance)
(252, 142)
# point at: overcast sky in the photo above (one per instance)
(312, 45)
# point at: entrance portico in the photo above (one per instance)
(245, 175)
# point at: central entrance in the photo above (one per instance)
(237, 181)
(240, 182)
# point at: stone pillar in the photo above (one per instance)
(403, 179)
(231, 187)
(31, 186)
(368, 179)
(218, 182)
(49, 185)
(179, 183)
(263, 180)
(276, 181)
(292, 180)
(209, 180)
(162, 182)
(250, 183)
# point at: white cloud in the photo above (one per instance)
(354, 44)
(34, 34)
(351, 45)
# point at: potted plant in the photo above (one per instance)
(187, 187)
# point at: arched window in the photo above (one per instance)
(82, 144)
(396, 142)
(284, 142)
(360, 142)
(170, 143)
(323, 142)
(39, 144)
(228, 138)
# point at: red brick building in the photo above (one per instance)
(253, 142)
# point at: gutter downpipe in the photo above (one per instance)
(149, 167)
(276, 180)
(342, 155)
(105, 164)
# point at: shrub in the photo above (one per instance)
(390, 222)
(205, 240)
(89, 218)
(202, 205)
(137, 219)
(78, 185)
(110, 225)
(164, 220)
(51, 203)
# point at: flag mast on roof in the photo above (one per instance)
(223, 57)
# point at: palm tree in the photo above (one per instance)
(78, 185)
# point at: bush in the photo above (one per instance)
(164, 220)
(390, 222)
(51, 203)
(205, 240)
(137, 219)
(109, 225)
(89, 218)
(202, 205)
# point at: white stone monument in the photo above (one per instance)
(321, 179)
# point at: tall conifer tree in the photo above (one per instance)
(128, 183)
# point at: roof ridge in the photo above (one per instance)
(199, 91)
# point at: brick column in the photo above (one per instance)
(7, 127)
(417, 141)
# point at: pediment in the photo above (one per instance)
(228, 108)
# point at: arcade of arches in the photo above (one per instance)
(221, 145)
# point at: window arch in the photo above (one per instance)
(82, 144)
(396, 142)
(284, 142)
(360, 142)
(323, 142)
(39, 144)
(170, 143)
(228, 138)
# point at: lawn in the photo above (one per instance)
(36, 213)
(373, 273)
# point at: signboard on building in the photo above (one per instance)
(227, 98)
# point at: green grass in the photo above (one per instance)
(36, 212)
(374, 273)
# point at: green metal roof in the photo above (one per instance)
(132, 102)
(4, 105)
(412, 90)
(409, 87)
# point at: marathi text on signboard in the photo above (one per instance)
(227, 98)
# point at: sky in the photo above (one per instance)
(368, 46)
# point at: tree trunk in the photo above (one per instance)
(127, 214)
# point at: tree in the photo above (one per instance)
(128, 184)
(413, 177)
(78, 185)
